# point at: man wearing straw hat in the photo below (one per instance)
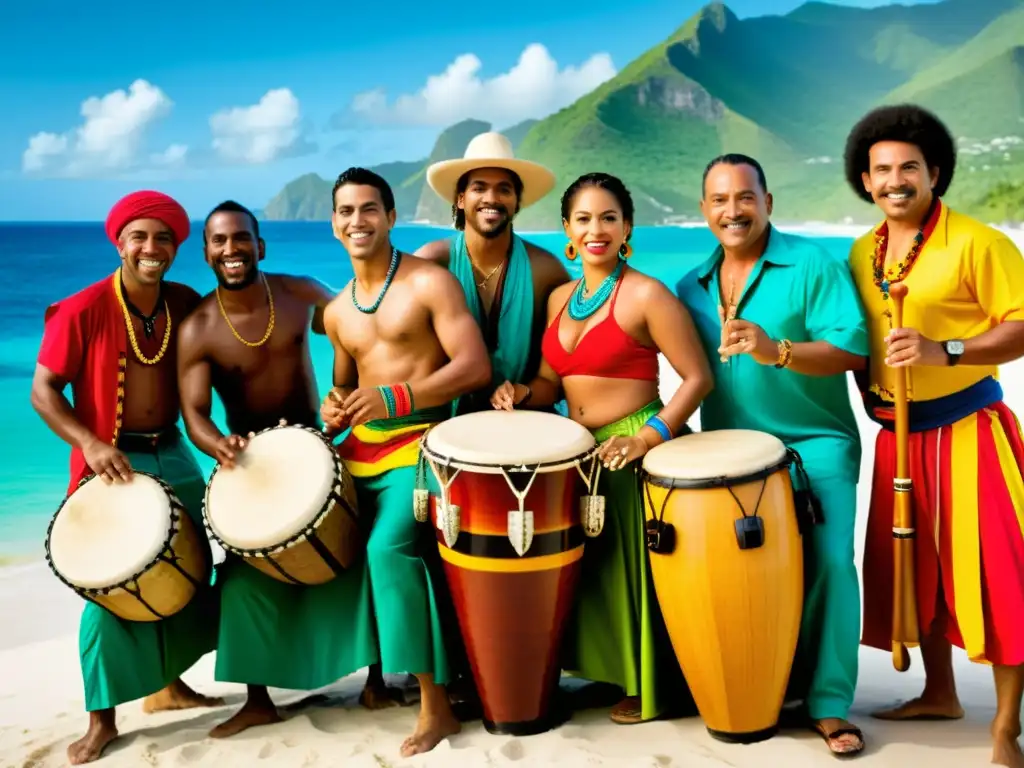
(506, 280)
(963, 317)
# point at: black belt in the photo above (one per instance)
(148, 442)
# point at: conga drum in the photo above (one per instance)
(726, 556)
(509, 516)
(287, 507)
(128, 547)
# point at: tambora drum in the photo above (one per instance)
(128, 547)
(287, 507)
(510, 518)
(727, 560)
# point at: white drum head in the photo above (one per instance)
(277, 487)
(720, 453)
(105, 534)
(488, 440)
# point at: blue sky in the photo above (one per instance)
(206, 103)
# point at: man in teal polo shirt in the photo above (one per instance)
(781, 323)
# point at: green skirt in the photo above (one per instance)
(616, 634)
(127, 660)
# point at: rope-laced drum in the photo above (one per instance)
(128, 547)
(508, 517)
(727, 560)
(287, 507)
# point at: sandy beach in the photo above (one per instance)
(41, 704)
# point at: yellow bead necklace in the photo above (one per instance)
(131, 326)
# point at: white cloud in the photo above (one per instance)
(261, 132)
(110, 138)
(534, 88)
(173, 156)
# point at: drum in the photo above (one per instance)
(128, 547)
(509, 518)
(287, 507)
(726, 556)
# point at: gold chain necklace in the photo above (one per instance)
(131, 326)
(270, 323)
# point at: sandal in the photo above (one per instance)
(829, 738)
(627, 712)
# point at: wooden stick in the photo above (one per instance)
(904, 595)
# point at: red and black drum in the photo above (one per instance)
(510, 514)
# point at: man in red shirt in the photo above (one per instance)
(113, 343)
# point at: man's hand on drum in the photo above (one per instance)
(741, 337)
(508, 396)
(363, 405)
(109, 464)
(227, 448)
(619, 451)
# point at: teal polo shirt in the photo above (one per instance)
(799, 292)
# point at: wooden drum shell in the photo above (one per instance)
(733, 615)
(512, 610)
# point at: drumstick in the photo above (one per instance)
(904, 598)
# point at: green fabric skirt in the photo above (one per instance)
(616, 633)
(126, 660)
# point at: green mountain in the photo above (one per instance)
(785, 89)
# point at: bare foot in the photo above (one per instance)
(1006, 750)
(377, 695)
(176, 696)
(923, 708)
(628, 711)
(90, 747)
(843, 738)
(430, 731)
(249, 716)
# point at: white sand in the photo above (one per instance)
(41, 704)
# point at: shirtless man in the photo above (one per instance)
(248, 341)
(506, 280)
(113, 342)
(405, 346)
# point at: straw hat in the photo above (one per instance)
(491, 150)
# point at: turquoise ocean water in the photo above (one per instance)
(40, 263)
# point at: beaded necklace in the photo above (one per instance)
(885, 277)
(581, 306)
(387, 284)
(131, 326)
(270, 322)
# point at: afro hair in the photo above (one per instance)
(904, 123)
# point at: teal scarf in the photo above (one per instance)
(515, 324)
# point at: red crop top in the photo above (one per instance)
(605, 350)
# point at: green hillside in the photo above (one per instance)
(785, 89)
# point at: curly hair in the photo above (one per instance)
(907, 123)
(611, 184)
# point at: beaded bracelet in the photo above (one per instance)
(660, 426)
(397, 399)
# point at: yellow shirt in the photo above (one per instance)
(967, 279)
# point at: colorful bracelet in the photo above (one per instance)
(660, 426)
(397, 399)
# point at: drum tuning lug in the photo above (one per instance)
(520, 530)
(661, 537)
(592, 509)
(450, 522)
(421, 504)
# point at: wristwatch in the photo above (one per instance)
(954, 348)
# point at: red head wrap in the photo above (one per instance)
(147, 204)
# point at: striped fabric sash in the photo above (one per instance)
(377, 447)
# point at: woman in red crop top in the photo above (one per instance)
(601, 349)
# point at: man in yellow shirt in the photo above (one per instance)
(963, 317)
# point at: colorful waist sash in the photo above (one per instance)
(377, 447)
(925, 415)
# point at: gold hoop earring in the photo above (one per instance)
(570, 252)
(626, 250)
